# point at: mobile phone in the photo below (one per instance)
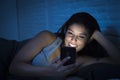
(68, 51)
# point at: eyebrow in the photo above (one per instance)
(85, 34)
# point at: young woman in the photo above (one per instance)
(41, 55)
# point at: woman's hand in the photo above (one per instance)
(95, 35)
(63, 70)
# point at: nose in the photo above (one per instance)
(74, 39)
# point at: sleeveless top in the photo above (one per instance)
(42, 59)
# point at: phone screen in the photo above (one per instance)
(68, 51)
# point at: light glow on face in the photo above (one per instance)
(76, 36)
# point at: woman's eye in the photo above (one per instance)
(81, 36)
(69, 33)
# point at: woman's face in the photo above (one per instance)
(76, 36)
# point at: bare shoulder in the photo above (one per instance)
(34, 46)
(45, 37)
(46, 34)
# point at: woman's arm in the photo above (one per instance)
(21, 64)
(108, 46)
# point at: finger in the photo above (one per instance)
(67, 67)
(69, 71)
(64, 68)
(63, 61)
(72, 68)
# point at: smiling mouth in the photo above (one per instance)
(71, 45)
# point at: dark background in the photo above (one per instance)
(22, 19)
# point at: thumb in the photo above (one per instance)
(63, 61)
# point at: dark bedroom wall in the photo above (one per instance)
(34, 16)
(31, 17)
(8, 19)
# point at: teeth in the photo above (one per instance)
(71, 45)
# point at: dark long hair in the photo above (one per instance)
(91, 24)
(83, 18)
